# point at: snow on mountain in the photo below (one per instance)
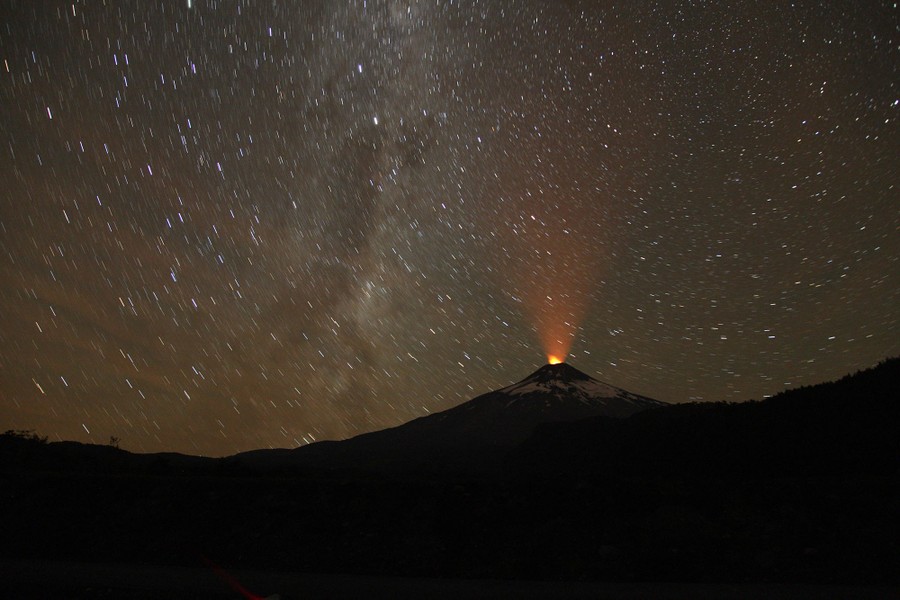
(477, 433)
(557, 392)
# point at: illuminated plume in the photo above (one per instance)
(556, 318)
(561, 244)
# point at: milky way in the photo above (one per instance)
(231, 224)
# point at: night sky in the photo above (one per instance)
(228, 224)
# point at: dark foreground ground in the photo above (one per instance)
(840, 531)
(77, 581)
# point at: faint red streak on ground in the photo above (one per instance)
(230, 580)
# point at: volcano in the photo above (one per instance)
(474, 435)
(505, 417)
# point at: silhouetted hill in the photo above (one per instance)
(25, 451)
(848, 426)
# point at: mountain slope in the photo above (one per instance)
(473, 435)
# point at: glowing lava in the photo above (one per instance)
(555, 360)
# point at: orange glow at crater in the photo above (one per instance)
(555, 360)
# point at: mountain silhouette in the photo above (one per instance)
(850, 426)
(474, 435)
(799, 488)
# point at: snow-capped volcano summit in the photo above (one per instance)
(562, 383)
(478, 433)
(557, 371)
(555, 392)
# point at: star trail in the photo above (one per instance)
(228, 225)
